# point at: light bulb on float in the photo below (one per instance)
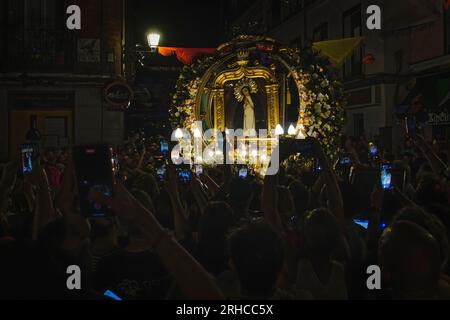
(197, 133)
(291, 130)
(178, 134)
(279, 131)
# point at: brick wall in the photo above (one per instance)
(102, 19)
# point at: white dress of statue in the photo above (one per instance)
(249, 111)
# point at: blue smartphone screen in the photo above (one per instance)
(27, 158)
(386, 176)
(185, 176)
(243, 173)
(164, 148)
(161, 172)
(362, 223)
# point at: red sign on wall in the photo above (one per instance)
(118, 95)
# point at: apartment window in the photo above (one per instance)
(44, 41)
(293, 6)
(320, 33)
(352, 27)
(3, 30)
(276, 13)
(358, 124)
(309, 2)
(447, 30)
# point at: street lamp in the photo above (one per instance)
(153, 41)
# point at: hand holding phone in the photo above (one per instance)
(243, 173)
(410, 127)
(161, 170)
(93, 168)
(184, 175)
(164, 148)
(198, 170)
(386, 176)
(28, 156)
(373, 151)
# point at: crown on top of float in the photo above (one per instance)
(242, 57)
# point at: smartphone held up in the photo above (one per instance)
(386, 176)
(28, 156)
(94, 173)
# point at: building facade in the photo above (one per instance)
(55, 76)
(412, 47)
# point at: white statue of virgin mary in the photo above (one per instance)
(243, 91)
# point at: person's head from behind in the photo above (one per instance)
(286, 207)
(103, 228)
(348, 196)
(256, 254)
(429, 222)
(148, 184)
(321, 232)
(410, 261)
(134, 232)
(300, 194)
(214, 224)
(241, 194)
(50, 155)
(163, 209)
(217, 218)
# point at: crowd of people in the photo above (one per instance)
(290, 236)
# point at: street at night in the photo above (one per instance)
(256, 150)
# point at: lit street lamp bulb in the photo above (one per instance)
(153, 40)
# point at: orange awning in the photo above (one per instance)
(185, 55)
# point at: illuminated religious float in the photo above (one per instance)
(254, 84)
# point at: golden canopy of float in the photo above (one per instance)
(254, 84)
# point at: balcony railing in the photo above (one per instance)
(40, 50)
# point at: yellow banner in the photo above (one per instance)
(338, 50)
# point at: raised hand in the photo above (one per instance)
(171, 184)
(76, 224)
(376, 198)
(123, 204)
(9, 176)
(38, 176)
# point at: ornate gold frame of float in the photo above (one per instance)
(236, 73)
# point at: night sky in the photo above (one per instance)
(181, 23)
